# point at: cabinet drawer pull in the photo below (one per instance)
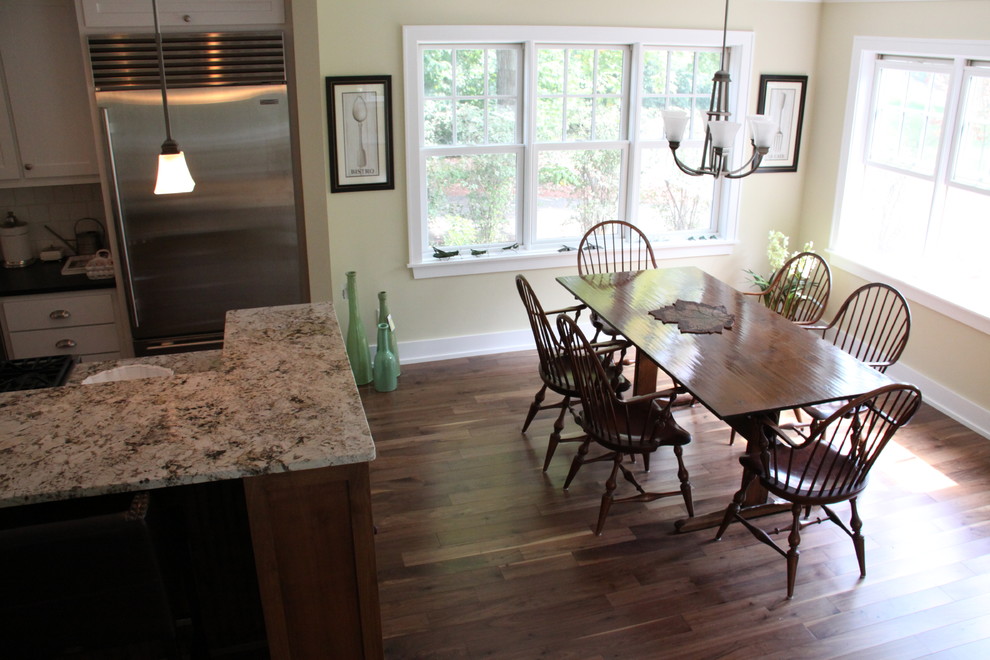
(59, 314)
(28, 166)
(65, 343)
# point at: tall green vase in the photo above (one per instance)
(384, 316)
(386, 364)
(357, 341)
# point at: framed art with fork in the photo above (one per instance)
(782, 100)
(359, 119)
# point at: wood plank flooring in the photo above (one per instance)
(481, 555)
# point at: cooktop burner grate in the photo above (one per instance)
(34, 373)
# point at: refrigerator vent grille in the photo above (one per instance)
(122, 62)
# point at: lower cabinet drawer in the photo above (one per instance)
(79, 340)
(58, 312)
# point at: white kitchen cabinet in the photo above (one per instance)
(131, 14)
(46, 129)
(80, 323)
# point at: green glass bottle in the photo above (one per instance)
(357, 342)
(384, 316)
(386, 365)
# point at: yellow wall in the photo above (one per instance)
(950, 353)
(366, 231)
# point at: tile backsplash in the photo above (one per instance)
(59, 207)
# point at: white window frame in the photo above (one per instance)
(423, 265)
(854, 143)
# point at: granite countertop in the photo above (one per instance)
(45, 277)
(280, 397)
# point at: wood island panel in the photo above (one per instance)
(313, 540)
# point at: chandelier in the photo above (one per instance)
(720, 132)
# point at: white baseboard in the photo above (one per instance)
(945, 400)
(449, 348)
(938, 396)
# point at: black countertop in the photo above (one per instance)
(45, 277)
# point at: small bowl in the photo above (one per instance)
(128, 372)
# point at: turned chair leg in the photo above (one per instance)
(856, 523)
(735, 505)
(682, 474)
(793, 540)
(577, 462)
(558, 426)
(535, 407)
(607, 496)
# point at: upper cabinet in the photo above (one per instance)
(193, 13)
(46, 128)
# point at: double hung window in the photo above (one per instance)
(914, 201)
(519, 139)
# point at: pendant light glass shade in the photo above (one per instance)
(173, 174)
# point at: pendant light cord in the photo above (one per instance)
(161, 71)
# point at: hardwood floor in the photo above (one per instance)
(481, 555)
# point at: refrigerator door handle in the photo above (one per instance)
(126, 270)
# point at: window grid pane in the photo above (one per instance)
(470, 96)
(577, 189)
(973, 155)
(908, 118)
(472, 199)
(671, 202)
(579, 94)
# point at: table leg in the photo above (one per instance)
(756, 496)
(645, 377)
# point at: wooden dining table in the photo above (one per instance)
(758, 366)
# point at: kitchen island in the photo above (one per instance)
(277, 411)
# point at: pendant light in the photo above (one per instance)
(719, 131)
(173, 173)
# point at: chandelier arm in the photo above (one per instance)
(684, 168)
(750, 166)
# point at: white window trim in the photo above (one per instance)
(740, 70)
(859, 96)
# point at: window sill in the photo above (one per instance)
(923, 296)
(525, 260)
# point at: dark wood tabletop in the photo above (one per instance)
(763, 363)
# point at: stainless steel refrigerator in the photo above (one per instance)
(235, 241)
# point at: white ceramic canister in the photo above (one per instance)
(15, 243)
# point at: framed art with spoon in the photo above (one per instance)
(782, 100)
(359, 119)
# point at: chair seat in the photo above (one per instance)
(629, 429)
(823, 410)
(562, 382)
(813, 475)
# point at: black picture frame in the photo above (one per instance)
(359, 123)
(782, 99)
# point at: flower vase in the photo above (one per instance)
(384, 316)
(386, 364)
(357, 342)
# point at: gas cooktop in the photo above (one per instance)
(34, 373)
